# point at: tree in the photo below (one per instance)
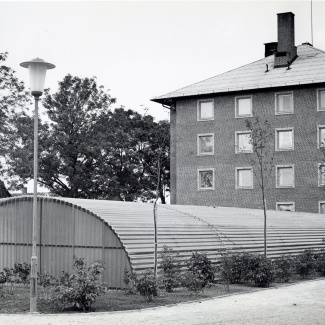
(13, 104)
(262, 159)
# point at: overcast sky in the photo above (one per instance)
(139, 50)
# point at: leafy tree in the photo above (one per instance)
(13, 104)
(262, 159)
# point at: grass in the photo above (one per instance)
(115, 300)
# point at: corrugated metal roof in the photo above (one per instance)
(205, 229)
(308, 68)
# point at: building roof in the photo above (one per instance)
(308, 68)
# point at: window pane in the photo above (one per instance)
(244, 178)
(244, 143)
(244, 106)
(322, 137)
(206, 179)
(322, 208)
(322, 175)
(284, 104)
(285, 139)
(206, 144)
(285, 207)
(321, 99)
(285, 176)
(206, 111)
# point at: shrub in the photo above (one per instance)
(80, 288)
(129, 279)
(284, 266)
(171, 266)
(234, 267)
(305, 263)
(46, 280)
(320, 262)
(146, 285)
(22, 270)
(6, 277)
(262, 271)
(193, 282)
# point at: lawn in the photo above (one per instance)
(115, 300)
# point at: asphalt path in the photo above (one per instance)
(299, 304)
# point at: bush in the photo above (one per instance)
(46, 280)
(320, 262)
(284, 266)
(234, 267)
(22, 270)
(193, 282)
(262, 270)
(80, 288)
(130, 280)
(305, 263)
(146, 285)
(171, 266)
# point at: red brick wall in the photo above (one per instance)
(305, 156)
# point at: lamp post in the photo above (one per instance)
(37, 71)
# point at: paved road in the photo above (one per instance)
(300, 304)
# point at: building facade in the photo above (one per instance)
(210, 148)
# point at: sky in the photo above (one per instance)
(142, 49)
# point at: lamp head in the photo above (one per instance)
(37, 72)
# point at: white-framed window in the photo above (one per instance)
(243, 106)
(285, 176)
(321, 207)
(285, 206)
(283, 103)
(320, 136)
(205, 179)
(243, 142)
(321, 99)
(321, 174)
(205, 110)
(284, 139)
(244, 177)
(205, 144)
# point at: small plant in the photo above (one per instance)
(46, 280)
(193, 282)
(146, 285)
(171, 266)
(284, 268)
(320, 262)
(129, 279)
(80, 288)
(262, 271)
(305, 263)
(22, 270)
(6, 278)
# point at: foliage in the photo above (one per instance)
(80, 289)
(89, 151)
(234, 267)
(171, 266)
(284, 266)
(129, 279)
(305, 263)
(22, 270)
(261, 139)
(320, 262)
(262, 271)
(202, 268)
(146, 285)
(46, 280)
(193, 282)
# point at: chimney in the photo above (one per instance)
(286, 49)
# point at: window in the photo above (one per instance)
(321, 175)
(244, 178)
(320, 136)
(205, 110)
(321, 207)
(283, 103)
(205, 144)
(243, 142)
(243, 106)
(284, 139)
(321, 99)
(206, 179)
(285, 206)
(285, 176)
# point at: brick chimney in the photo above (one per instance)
(286, 49)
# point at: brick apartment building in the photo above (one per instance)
(209, 148)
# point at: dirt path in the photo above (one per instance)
(299, 304)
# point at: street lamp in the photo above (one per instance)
(37, 71)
